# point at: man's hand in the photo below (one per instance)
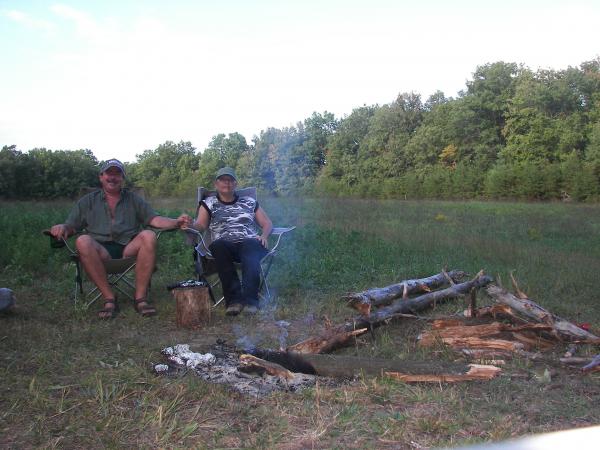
(184, 221)
(263, 240)
(60, 231)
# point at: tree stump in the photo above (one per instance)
(193, 306)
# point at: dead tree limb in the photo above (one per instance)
(413, 305)
(533, 311)
(363, 301)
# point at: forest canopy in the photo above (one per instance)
(511, 133)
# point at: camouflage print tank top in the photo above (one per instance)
(233, 221)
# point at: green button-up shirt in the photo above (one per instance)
(92, 214)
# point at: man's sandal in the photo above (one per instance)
(143, 308)
(108, 311)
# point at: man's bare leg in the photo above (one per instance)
(144, 247)
(92, 255)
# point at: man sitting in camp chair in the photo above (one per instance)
(113, 218)
(232, 221)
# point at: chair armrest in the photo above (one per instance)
(279, 232)
(196, 238)
(59, 243)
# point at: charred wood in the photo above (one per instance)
(339, 366)
(252, 364)
(328, 341)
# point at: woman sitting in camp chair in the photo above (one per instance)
(232, 221)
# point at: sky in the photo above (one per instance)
(122, 76)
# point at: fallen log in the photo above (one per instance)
(382, 315)
(533, 311)
(363, 301)
(342, 335)
(340, 366)
(475, 372)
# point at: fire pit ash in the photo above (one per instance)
(225, 364)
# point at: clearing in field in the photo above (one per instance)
(69, 380)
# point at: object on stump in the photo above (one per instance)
(363, 301)
(193, 305)
(338, 366)
(533, 311)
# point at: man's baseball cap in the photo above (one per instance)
(226, 171)
(113, 163)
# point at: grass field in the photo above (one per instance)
(69, 380)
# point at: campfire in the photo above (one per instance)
(227, 365)
(482, 338)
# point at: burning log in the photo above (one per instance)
(363, 301)
(351, 366)
(326, 342)
(252, 364)
(533, 311)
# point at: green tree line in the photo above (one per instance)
(511, 133)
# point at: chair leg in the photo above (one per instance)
(78, 282)
(265, 268)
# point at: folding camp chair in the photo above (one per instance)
(204, 262)
(119, 272)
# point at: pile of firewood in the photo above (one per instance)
(513, 324)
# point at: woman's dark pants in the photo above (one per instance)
(249, 253)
